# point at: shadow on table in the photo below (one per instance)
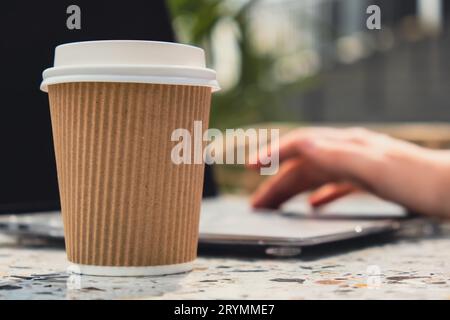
(415, 231)
(94, 287)
(302, 253)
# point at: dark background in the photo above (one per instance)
(29, 34)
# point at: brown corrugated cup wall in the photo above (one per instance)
(124, 202)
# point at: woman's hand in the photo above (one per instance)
(339, 161)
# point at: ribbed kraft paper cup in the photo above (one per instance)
(124, 202)
(127, 209)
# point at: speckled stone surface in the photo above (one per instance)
(412, 267)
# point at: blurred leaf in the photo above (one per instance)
(256, 97)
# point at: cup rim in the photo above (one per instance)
(133, 61)
(151, 74)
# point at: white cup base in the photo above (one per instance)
(111, 271)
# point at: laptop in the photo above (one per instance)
(29, 200)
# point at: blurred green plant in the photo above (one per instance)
(255, 96)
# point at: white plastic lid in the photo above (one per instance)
(130, 61)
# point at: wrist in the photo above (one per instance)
(439, 184)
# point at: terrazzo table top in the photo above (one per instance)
(412, 267)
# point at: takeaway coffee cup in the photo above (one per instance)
(128, 210)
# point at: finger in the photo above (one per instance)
(330, 192)
(296, 142)
(290, 145)
(345, 160)
(264, 153)
(293, 177)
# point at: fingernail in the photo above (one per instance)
(256, 201)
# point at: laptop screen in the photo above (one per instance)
(31, 31)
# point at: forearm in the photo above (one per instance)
(420, 180)
(439, 185)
